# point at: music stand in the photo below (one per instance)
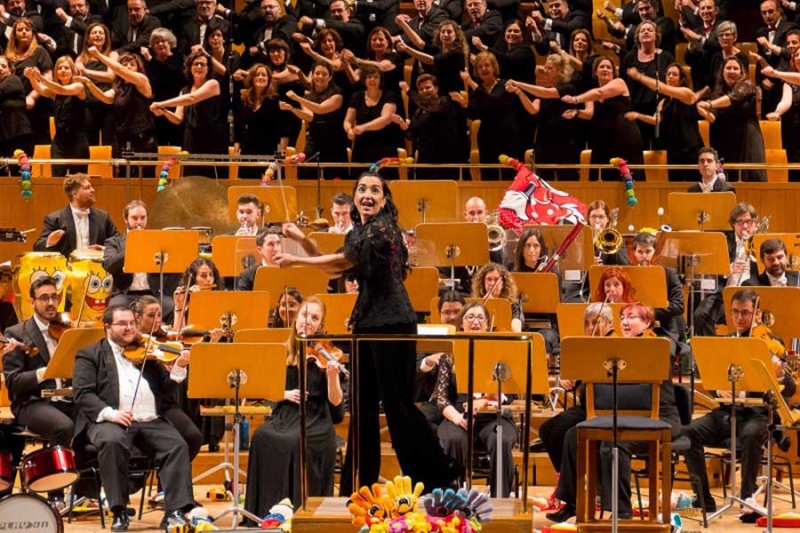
(578, 257)
(228, 310)
(230, 371)
(650, 283)
(262, 335)
(307, 280)
(62, 360)
(450, 244)
(420, 202)
(272, 201)
(704, 212)
(617, 360)
(234, 253)
(792, 242)
(422, 284)
(782, 302)
(161, 251)
(328, 243)
(734, 354)
(338, 307)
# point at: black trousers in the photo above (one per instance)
(51, 420)
(13, 444)
(553, 432)
(187, 428)
(714, 429)
(157, 438)
(386, 374)
(708, 314)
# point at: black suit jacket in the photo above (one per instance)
(119, 32)
(101, 227)
(719, 186)
(20, 368)
(763, 281)
(247, 278)
(489, 30)
(426, 27)
(95, 383)
(114, 260)
(671, 317)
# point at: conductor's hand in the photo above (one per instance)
(293, 395)
(291, 230)
(284, 260)
(55, 237)
(460, 420)
(123, 418)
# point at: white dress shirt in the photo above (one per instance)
(143, 406)
(81, 219)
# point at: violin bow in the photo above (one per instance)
(144, 362)
(597, 322)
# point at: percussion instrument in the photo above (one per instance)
(49, 469)
(90, 284)
(28, 512)
(6, 471)
(32, 266)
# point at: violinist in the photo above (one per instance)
(120, 404)
(273, 469)
(752, 423)
(9, 442)
(52, 418)
(774, 256)
(147, 311)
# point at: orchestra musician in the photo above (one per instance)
(289, 303)
(636, 320)
(341, 205)
(9, 442)
(375, 251)
(773, 255)
(129, 287)
(119, 410)
(248, 214)
(78, 226)
(273, 471)
(710, 311)
(752, 423)
(497, 279)
(709, 166)
(614, 287)
(268, 244)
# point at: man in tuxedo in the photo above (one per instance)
(268, 245)
(130, 286)
(771, 38)
(131, 28)
(191, 21)
(701, 32)
(79, 226)
(115, 416)
(419, 30)
(274, 26)
(558, 27)
(484, 23)
(69, 34)
(50, 417)
(712, 177)
(773, 255)
(648, 10)
(339, 18)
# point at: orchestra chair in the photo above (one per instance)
(777, 175)
(41, 170)
(52, 127)
(655, 157)
(771, 130)
(474, 153)
(233, 168)
(290, 171)
(300, 143)
(174, 170)
(103, 170)
(402, 168)
(586, 159)
(751, 75)
(704, 126)
(748, 47)
(688, 70)
(680, 53)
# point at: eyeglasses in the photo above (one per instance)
(124, 325)
(44, 298)
(597, 217)
(743, 314)
(748, 222)
(475, 318)
(629, 318)
(199, 64)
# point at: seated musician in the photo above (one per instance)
(636, 320)
(712, 176)
(248, 214)
(710, 312)
(452, 430)
(475, 210)
(341, 204)
(147, 311)
(52, 418)
(614, 287)
(289, 303)
(129, 287)
(671, 317)
(598, 321)
(115, 416)
(9, 442)
(497, 279)
(80, 225)
(752, 423)
(773, 255)
(273, 468)
(268, 245)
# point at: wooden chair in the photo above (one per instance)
(39, 170)
(233, 169)
(474, 154)
(771, 131)
(586, 158)
(680, 53)
(656, 157)
(104, 170)
(777, 175)
(704, 127)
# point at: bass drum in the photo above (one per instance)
(29, 513)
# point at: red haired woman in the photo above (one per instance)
(614, 285)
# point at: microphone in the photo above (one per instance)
(320, 349)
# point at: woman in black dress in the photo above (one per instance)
(99, 116)
(376, 253)
(678, 119)
(327, 48)
(23, 51)
(225, 63)
(611, 134)
(322, 108)
(735, 131)
(15, 129)
(788, 112)
(199, 109)
(273, 470)
(381, 56)
(287, 78)
(131, 95)
(449, 62)
(557, 138)
(368, 122)
(258, 127)
(69, 110)
(727, 35)
(581, 56)
(165, 72)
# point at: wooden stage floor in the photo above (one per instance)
(729, 523)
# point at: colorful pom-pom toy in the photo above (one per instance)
(630, 195)
(25, 173)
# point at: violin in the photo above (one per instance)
(146, 347)
(29, 349)
(324, 352)
(193, 336)
(63, 321)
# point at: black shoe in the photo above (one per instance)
(710, 504)
(749, 517)
(121, 520)
(173, 519)
(562, 515)
(213, 448)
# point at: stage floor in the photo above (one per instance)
(151, 519)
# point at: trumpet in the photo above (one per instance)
(609, 240)
(495, 233)
(762, 226)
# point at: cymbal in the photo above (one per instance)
(27, 434)
(192, 201)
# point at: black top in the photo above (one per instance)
(447, 67)
(166, 77)
(259, 131)
(132, 110)
(203, 115)
(96, 64)
(553, 127)
(70, 116)
(643, 99)
(516, 63)
(432, 129)
(386, 136)
(38, 59)
(679, 121)
(379, 259)
(325, 135)
(13, 117)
